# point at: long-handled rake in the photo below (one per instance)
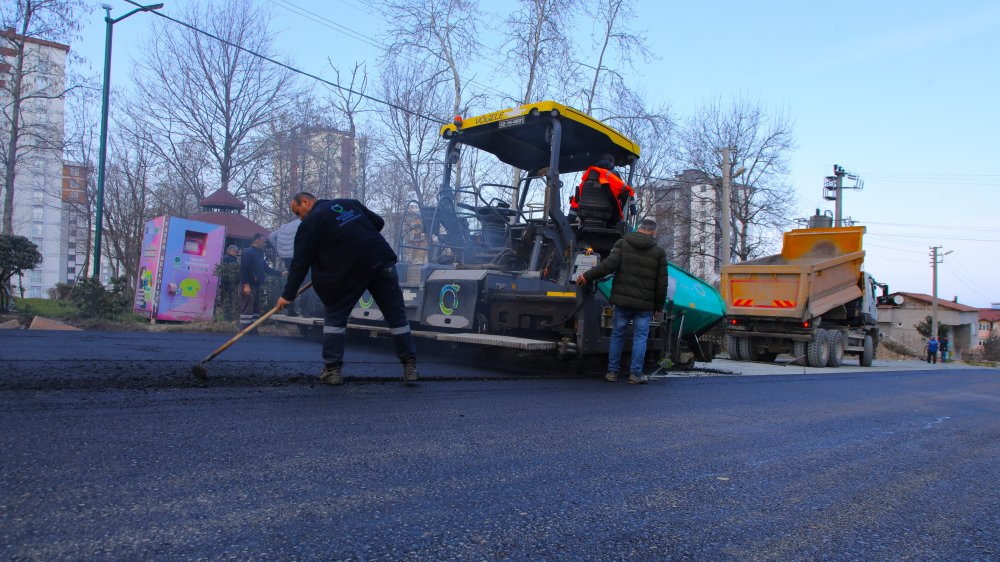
(199, 370)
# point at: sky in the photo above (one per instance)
(904, 94)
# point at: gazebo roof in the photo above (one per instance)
(237, 226)
(222, 198)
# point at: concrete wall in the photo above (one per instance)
(900, 324)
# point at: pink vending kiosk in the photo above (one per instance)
(177, 278)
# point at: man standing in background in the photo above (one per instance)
(253, 269)
(283, 240)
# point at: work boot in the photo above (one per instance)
(637, 378)
(611, 376)
(331, 375)
(410, 370)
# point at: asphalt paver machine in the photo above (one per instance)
(495, 265)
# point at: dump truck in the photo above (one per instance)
(494, 265)
(813, 300)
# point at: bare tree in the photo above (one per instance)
(443, 32)
(538, 37)
(654, 130)
(538, 42)
(200, 92)
(412, 144)
(128, 199)
(761, 142)
(81, 147)
(614, 38)
(33, 77)
(349, 104)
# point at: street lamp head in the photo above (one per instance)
(106, 7)
(739, 172)
(152, 7)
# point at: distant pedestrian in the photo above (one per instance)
(283, 240)
(340, 241)
(932, 349)
(945, 349)
(253, 269)
(638, 293)
(232, 254)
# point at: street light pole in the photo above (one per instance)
(102, 151)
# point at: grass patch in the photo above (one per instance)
(981, 363)
(66, 311)
(46, 308)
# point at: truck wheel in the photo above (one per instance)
(868, 355)
(798, 349)
(747, 352)
(836, 338)
(733, 344)
(818, 349)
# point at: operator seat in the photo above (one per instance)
(597, 205)
(601, 222)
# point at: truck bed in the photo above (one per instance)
(818, 270)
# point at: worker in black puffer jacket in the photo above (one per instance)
(638, 293)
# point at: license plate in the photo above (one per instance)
(511, 122)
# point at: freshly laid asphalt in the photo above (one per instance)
(110, 450)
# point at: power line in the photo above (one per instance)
(973, 281)
(317, 18)
(321, 20)
(967, 285)
(292, 68)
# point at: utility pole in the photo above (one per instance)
(726, 211)
(936, 258)
(833, 190)
(838, 212)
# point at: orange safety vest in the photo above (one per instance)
(604, 177)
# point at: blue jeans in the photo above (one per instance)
(383, 284)
(640, 333)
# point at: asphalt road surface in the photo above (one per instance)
(108, 450)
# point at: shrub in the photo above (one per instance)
(991, 348)
(93, 300)
(17, 256)
(61, 292)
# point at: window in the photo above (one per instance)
(37, 229)
(38, 242)
(37, 213)
(35, 292)
(35, 276)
